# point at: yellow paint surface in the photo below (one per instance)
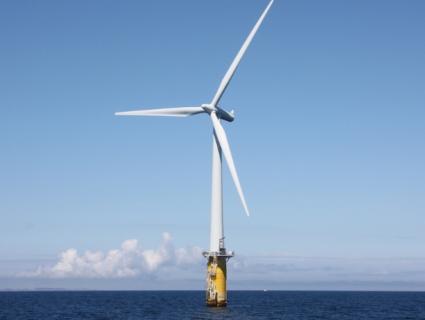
(216, 282)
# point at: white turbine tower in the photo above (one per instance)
(217, 255)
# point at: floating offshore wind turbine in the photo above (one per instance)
(217, 255)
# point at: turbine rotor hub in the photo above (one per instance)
(221, 113)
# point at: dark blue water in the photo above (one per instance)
(190, 305)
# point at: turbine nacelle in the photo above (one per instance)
(221, 113)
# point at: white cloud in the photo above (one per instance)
(128, 261)
(167, 266)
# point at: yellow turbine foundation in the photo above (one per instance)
(216, 295)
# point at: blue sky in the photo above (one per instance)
(328, 138)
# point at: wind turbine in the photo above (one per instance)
(216, 294)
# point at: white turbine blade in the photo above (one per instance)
(164, 112)
(229, 74)
(225, 148)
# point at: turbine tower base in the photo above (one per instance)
(216, 293)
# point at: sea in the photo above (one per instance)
(190, 305)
